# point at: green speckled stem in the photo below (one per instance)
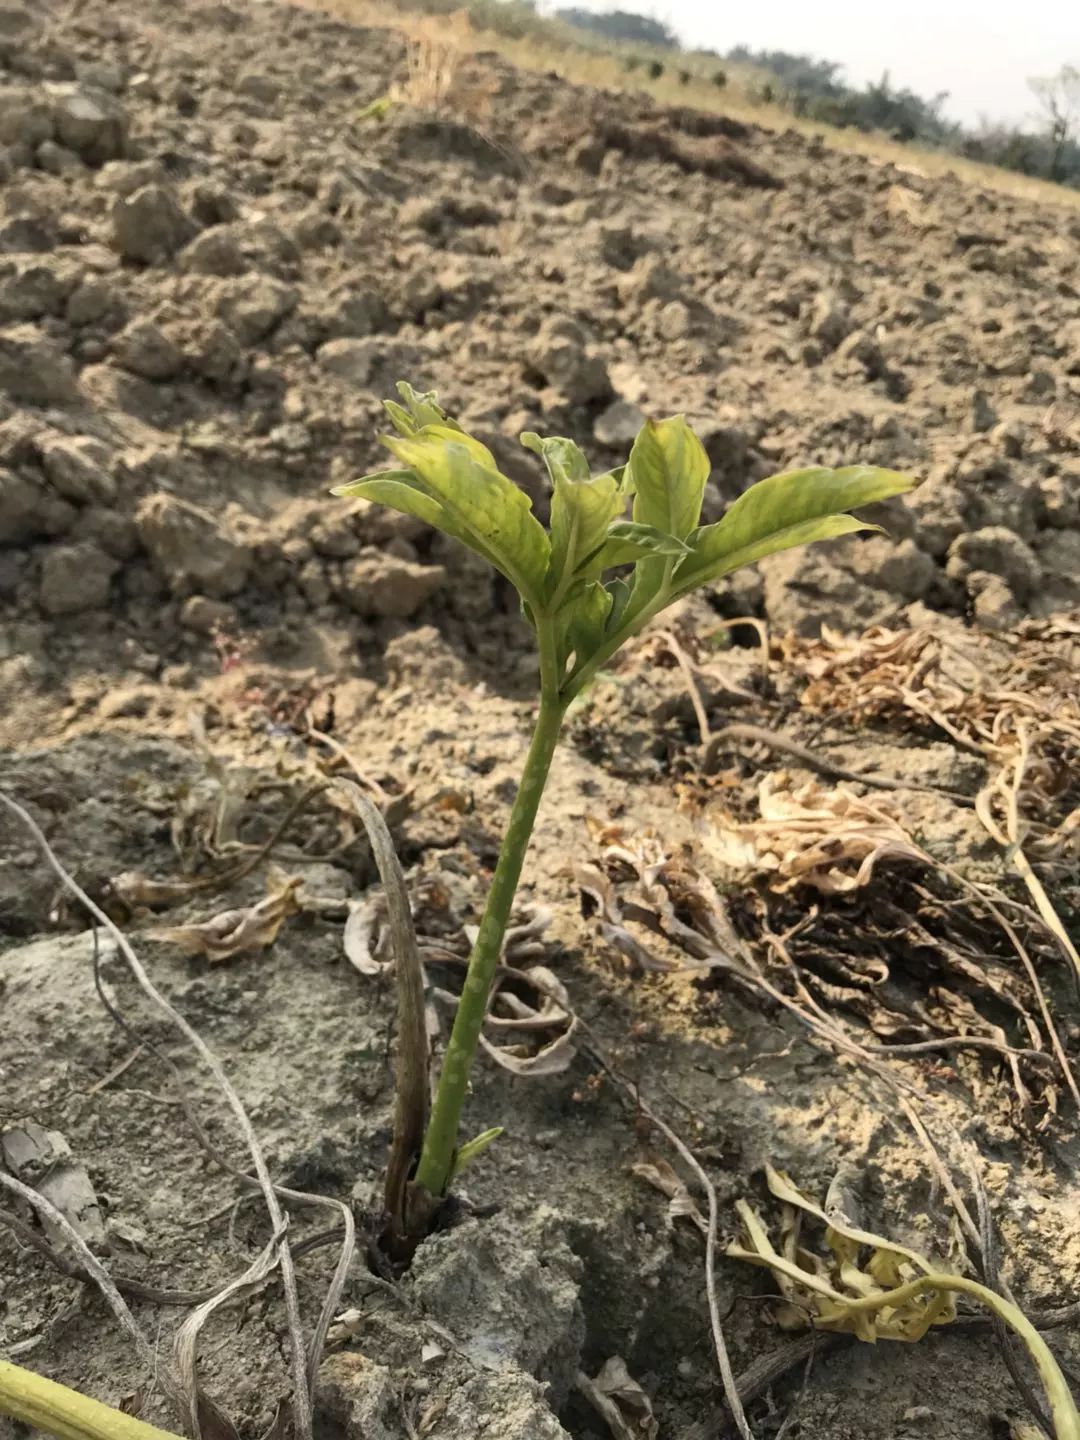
(440, 1143)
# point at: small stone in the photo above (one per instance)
(124, 177)
(25, 120)
(95, 302)
(33, 369)
(21, 503)
(830, 322)
(983, 414)
(862, 349)
(351, 360)
(1060, 496)
(75, 578)
(77, 466)
(993, 606)
(378, 584)
(618, 425)
(256, 306)
(1039, 388)
(89, 122)
(561, 356)
(149, 225)
(675, 321)
(144, 349)
(205, 616)
(57, 159)
(997, 551)
(216, 251)
(650, 278)
(215, 354)
(36, 286)
(103, 75)
(191, 547)
(1010, 438)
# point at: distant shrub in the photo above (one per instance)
(622, 25)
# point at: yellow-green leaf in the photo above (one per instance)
(478, 504)
(667, 471)
(785, 510)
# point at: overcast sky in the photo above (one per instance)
(981, 51)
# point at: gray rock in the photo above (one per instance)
(149, 225)
(103, 75)
(144, 349)
(34, 286)
(901, 569)
(78, 467)
(993, 606)
(26, 118)
(95, 302)
(216, 251)
(938, 510)
(998, 551)
(57, 159)
(205, 616)
(560, 354)
(351, 360)
(511, 1291)
(1060, 497)
(34, 370)
(21, 504)
(379, 584)
(860, 348)
(618, 425)
(830, 322)
(357, 1397)
(75, 578)
(253, 307)
(124, 177)
(191, 547)
(651, 278)
(89, 122)
(983, 414)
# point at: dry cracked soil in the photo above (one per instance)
(212, 270)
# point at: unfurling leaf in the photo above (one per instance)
(782, 511)
(583, 620)
(451, 482)
(474, 1147)
(581, 511)
(629, 540)
(667, 471)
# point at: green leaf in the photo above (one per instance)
(785, 510)
(667, 471)
(562, 457)
(619, 591)
(587, 620)
(449, 485)
(474, 1147)
(629, 540)
(418, 411)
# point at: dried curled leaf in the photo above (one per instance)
(661, 1176)
(810, 835)
(621, 1401)
(233, 931)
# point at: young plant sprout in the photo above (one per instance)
(587, 585)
